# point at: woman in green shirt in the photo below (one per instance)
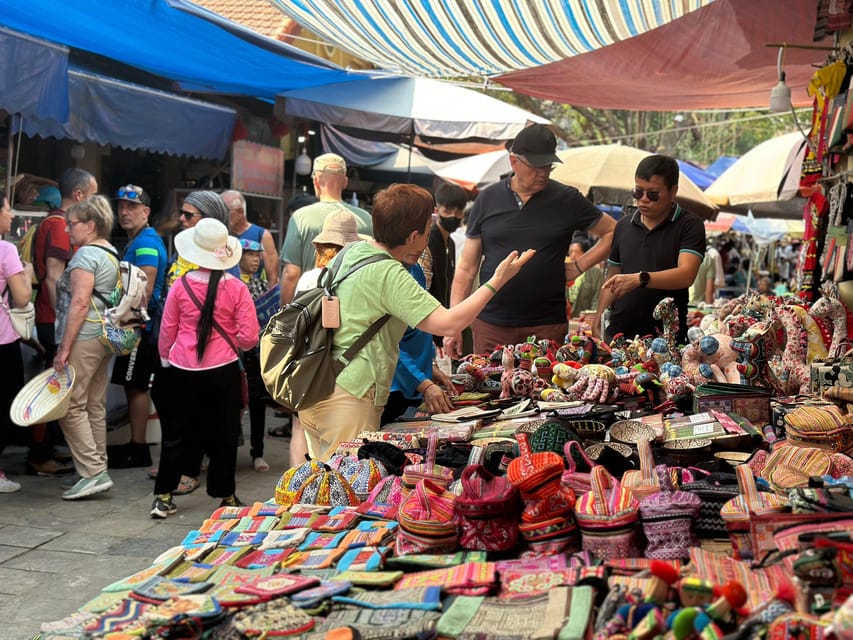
(402, 217)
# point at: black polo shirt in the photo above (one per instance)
(546, 222)
(637, 249)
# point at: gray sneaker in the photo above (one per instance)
(88, 486)
(70, 481)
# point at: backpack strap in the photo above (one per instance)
(213, 322)
(329, 274)
(346, 357)
(114, 254)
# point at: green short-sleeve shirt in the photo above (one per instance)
(306, 224)
(379, 288)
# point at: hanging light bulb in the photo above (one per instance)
(303, 163)
(780, 95)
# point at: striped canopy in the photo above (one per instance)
(444, 38)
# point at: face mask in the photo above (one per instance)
(449, 224)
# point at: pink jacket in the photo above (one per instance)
(234, 310)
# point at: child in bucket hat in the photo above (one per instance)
(249, 263)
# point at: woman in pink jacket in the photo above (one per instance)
(208, 317)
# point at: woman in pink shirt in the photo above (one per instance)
(208, 316)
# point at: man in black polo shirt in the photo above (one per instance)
(528, 210)
(655, 254)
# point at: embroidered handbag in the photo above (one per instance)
(713, 492)
(487, 510)
(537, 477)
(668, 519)
(328, 488)
(552, 436)
(738, 511)
(363, 475)
(607, 517)
(291, 481)
(427, 520)
(576, 480)
(427, 470)
(825, 427)
(790, 465)
(643, 482)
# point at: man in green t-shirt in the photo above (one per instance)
(297, 253)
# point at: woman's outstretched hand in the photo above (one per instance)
(510, 266)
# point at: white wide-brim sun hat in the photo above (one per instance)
(44, 398)
(208, 245)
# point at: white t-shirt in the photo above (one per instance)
(307, 280)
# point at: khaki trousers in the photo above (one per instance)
(85, 424)
(338, 418)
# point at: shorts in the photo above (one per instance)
(134, 370)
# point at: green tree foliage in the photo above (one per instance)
(699, 136)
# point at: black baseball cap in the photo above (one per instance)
(537, 145)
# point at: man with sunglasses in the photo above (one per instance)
(526, 210)
(656, 252)
(197, 205)
(147, 251)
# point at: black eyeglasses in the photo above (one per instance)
(637, 193)
(189, 215)
(130, 191)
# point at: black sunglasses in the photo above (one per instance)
(189, 215)
(637, 194)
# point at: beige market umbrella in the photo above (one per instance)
(605, 174)
(764, 180)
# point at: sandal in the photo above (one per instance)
(260, 464)
(187, 485)
(281, 431)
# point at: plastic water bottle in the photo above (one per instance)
(354, 199)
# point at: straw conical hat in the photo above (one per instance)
(44, 398)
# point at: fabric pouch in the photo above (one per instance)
(537, 477)
(427, 520)
(470, 578)
(643, 482)
(428, 470)
(668, 518)
(825, 427)
(574, 478)
(713, 492)
(487, 509)
(273, 618)
(738, 512)
(820, 499)
(607, 517)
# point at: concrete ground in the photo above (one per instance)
(56, 555)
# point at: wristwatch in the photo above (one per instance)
(644, 278)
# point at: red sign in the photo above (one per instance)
(257, 168)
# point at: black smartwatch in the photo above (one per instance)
(644, 278)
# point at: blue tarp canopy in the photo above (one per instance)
(33, 78)
(112, 112)
(718, 166)
(697, 175)
(161, 38)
